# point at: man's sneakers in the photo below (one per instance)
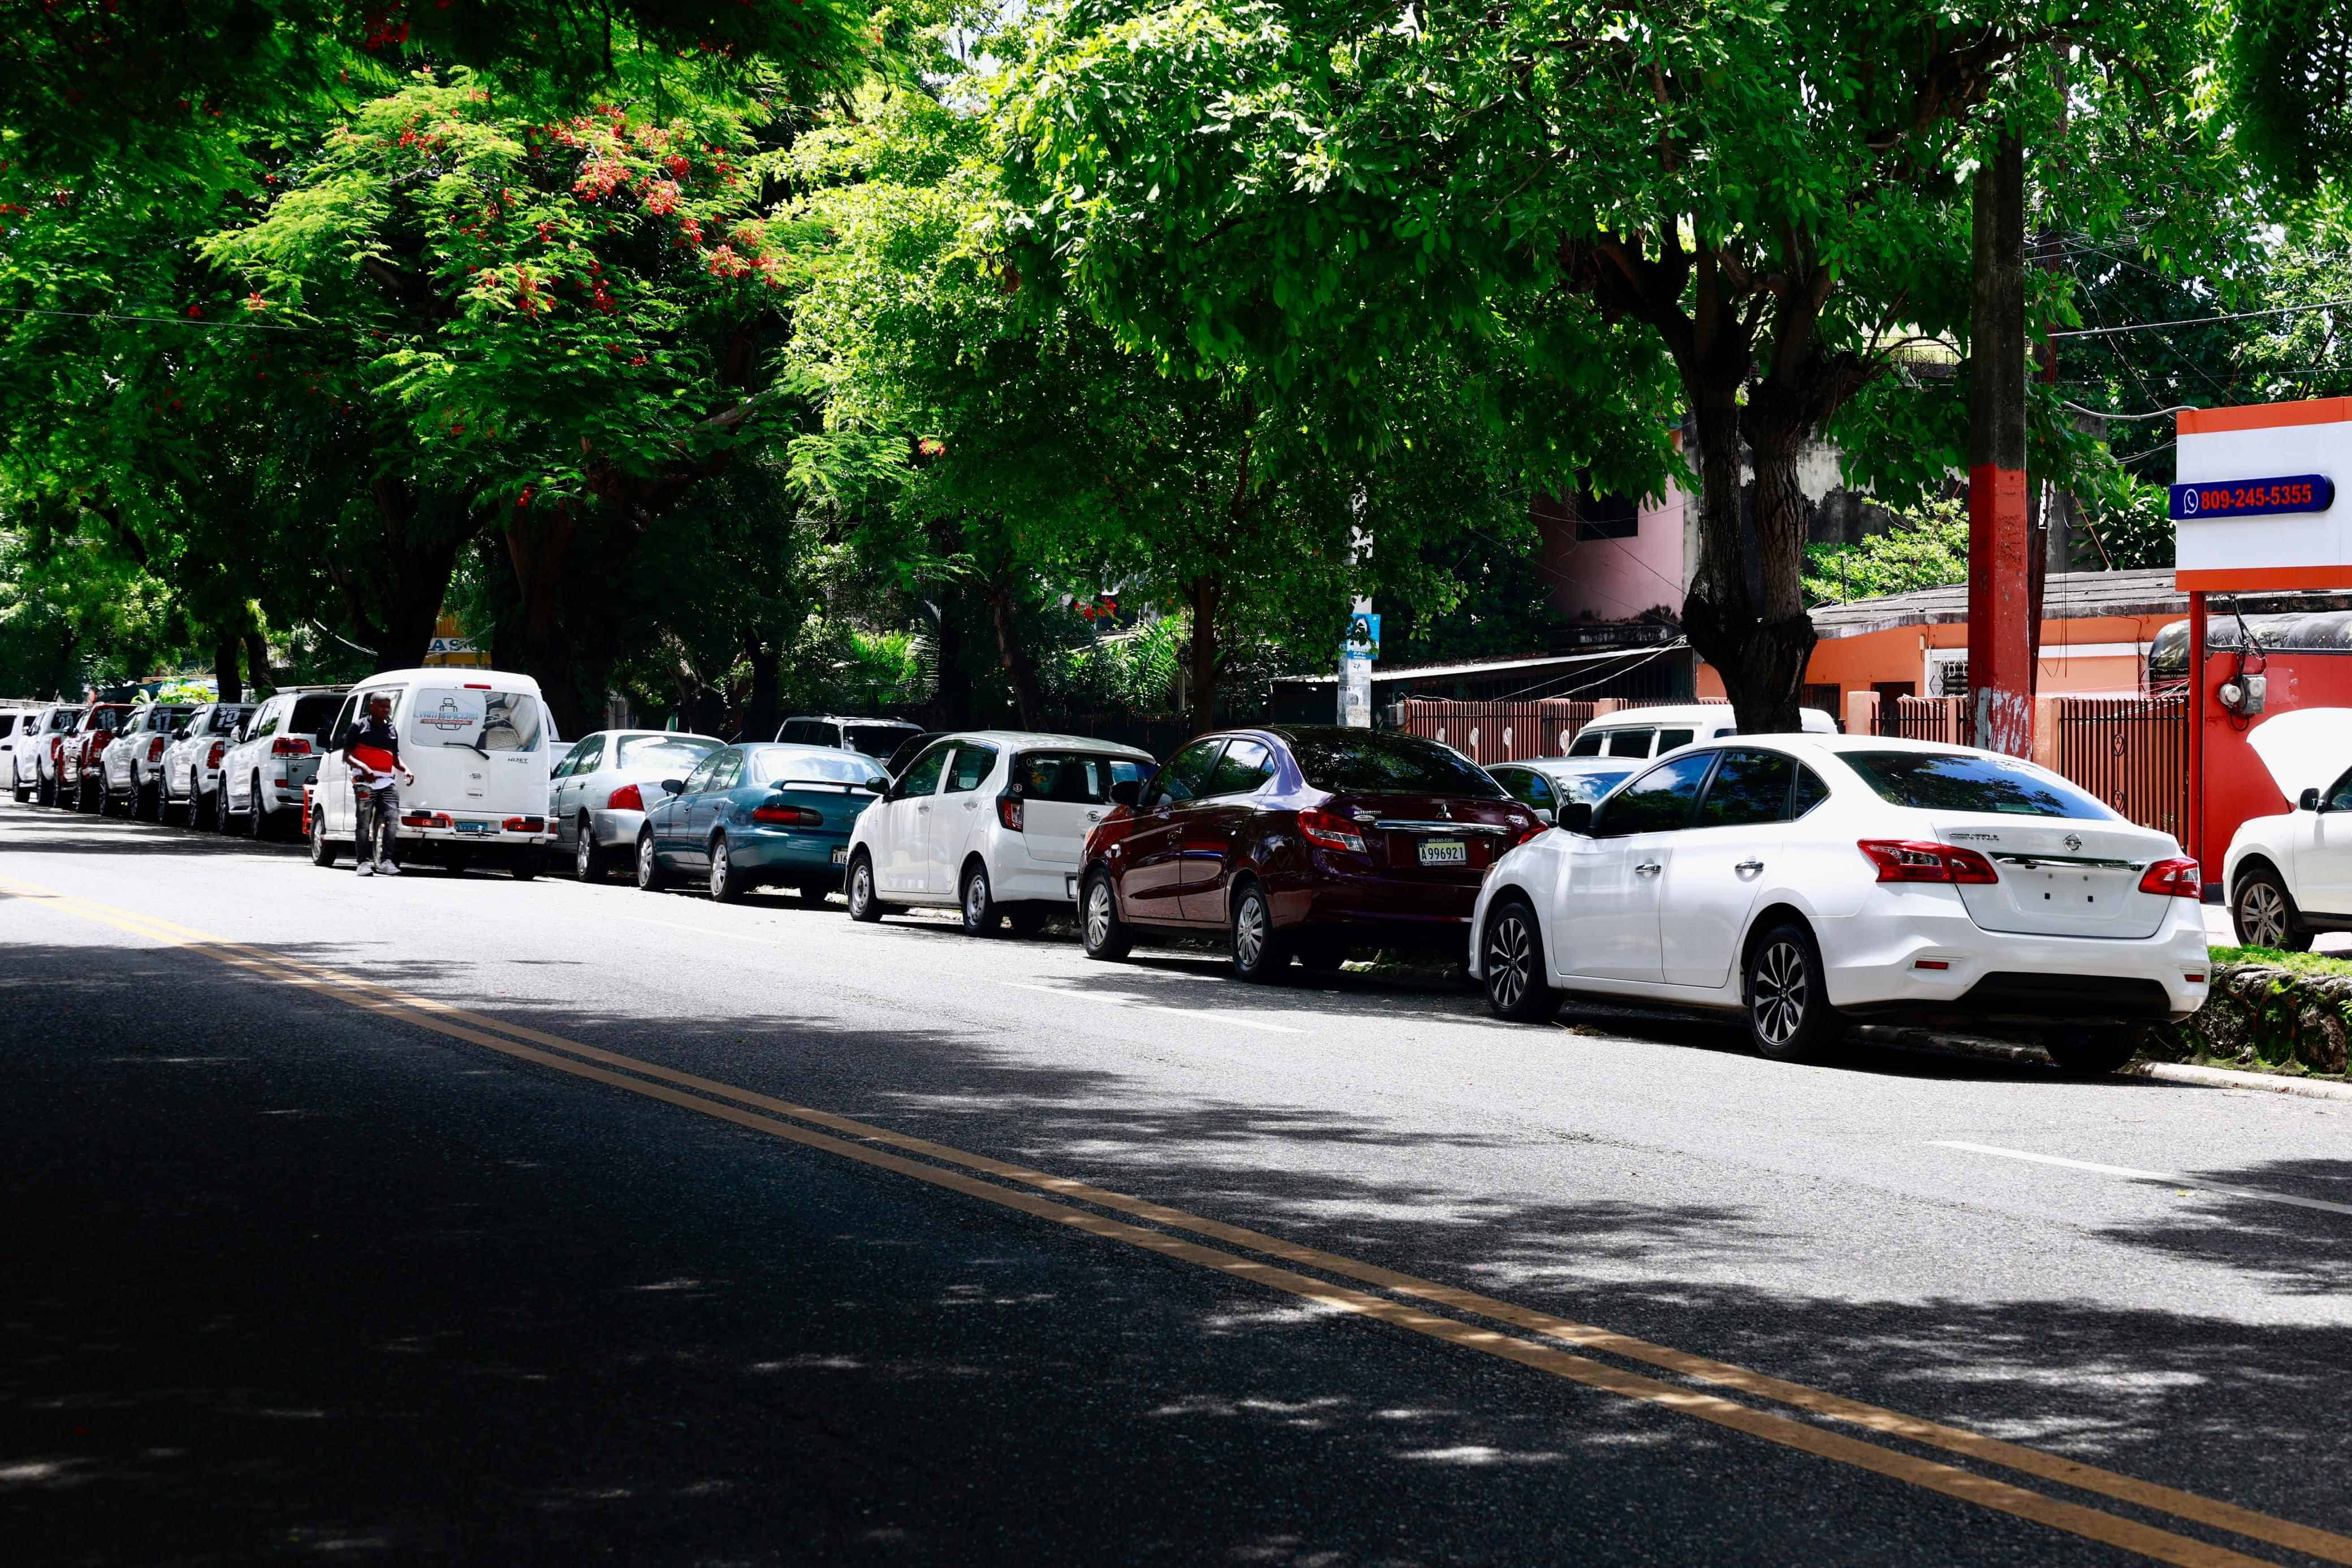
(385, 868)
(365, 869)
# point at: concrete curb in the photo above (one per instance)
(2226, 1078)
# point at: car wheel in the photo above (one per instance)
(1027, 919)
(587, 860)
(864, 903)
(196, 807)
(322, 848)
(524, 867)
(1104, 934)
(160, 793)
(1258, 953)
(1517, 988)
(649, 871)
(726, 887)
(221, 818)
(18, 788)
(2092, 1050)
(256, 814)
(981, 915)
(2264, 914)
(1788, 1013)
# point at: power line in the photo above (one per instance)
(2195, 320)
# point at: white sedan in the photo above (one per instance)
(1803, 881)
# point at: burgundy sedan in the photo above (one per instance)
(1299, 842)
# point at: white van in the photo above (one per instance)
(1656, 730)
(481, 747)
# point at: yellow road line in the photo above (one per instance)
(460, 1024)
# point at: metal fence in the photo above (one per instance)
(2132, 753)
(1502, 732)
(1925, 718)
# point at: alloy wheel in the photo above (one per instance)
(1508, 955)
(1249, 932)
(2262, 915)
(648, 869)
(1780, 993)
(722, 870)
(1099, 912)
(583, 856)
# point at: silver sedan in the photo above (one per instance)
(596, 796)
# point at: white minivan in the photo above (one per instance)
(1654, 730)
(481, 747)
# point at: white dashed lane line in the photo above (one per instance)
(2132, 1173)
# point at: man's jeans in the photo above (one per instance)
(378, 822)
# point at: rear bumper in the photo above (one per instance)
(1874, 969)
(612, 828)
(1375, 906)
(790, 854)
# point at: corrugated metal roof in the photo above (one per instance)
(2068, 596)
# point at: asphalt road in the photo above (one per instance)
(460, 1219)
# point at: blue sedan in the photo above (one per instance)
(754, 814)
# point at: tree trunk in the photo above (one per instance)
(1205, 594)
(232, 690)
(539, 548)
(1758, 648)
(759, 715)
(1013, 655)
(257, 662)
(954, 696)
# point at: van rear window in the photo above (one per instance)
(476, 719)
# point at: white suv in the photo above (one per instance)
(131, 768)
(994, 822)
(277, 753)
(191, 764)
(26, 741)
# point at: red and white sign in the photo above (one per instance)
(2219, 447)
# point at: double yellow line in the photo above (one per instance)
(1054, 1198)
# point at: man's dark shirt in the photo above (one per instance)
(371, 731)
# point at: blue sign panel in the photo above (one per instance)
(2216, 498)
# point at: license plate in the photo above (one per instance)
(841, 855)
(1445, 852)
(472, 827)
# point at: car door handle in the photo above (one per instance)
(922, 810)
(972, 805)
(1094, 816)
(1749, 867)
(1648, 868)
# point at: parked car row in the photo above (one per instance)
(1799, 882)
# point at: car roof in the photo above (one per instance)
(1575, 764)
(662, 734)
(1017, 739)
(846, 719)
(1649, 715)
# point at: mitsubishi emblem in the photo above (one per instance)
(2072, 841)
(1445, 810)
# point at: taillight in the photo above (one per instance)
(523, 824)
(211, 757)
(1530, 830)
(787, 816)
(289, 746)
(155, 748)
(1330, 830)
(2174, 879)
(425, 819)
(1008, 811)
(625, 799)
(1918, 859)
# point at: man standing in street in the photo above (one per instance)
(370, 746)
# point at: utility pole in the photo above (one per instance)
(2001, 525)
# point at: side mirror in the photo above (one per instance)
(878, 786)
(1127, 792)
(673, 786)
(2310, 801)
(1576, 817)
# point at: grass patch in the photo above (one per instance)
(2294, 963)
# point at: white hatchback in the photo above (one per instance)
(2289, 876)
(993, 821)
(1803, 881)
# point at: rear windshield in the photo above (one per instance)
(672, 756)
(875, 739)
(1389, 762)
(167, 718)
(314, 713)
(107, 717)
(1077, 777)
(475, 718)
(1954, 782)
(226, 720)
(788, 764)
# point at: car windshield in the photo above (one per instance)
(875, 739)
(670, 755)
(1966, 781)
(793, 764)
(1376, 762)
(1588, 787)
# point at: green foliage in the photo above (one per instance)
(1927, 550)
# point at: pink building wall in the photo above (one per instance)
(1616, 579)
